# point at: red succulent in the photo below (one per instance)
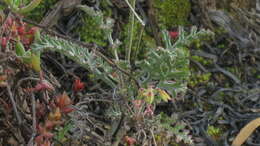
(174, 34)
(129, 141)
(78, 85)
(4, 41)
(149, 110)
(21, 30)
(63, 102)
(42, 86)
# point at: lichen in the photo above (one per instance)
(172, 13)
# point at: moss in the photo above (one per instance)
(106, 9)
(258, 76)
(214, 132)
(202, 60)
(91, 32)
(198, 78)
(171, 13)
(221, 46)
(38, 13)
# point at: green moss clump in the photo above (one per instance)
(171, 13)
(214, 132)
(106, 8)
(258, 76)
(91, 32)
(197, 78)
(202, 60)
(38, 13)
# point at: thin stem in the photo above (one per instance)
(139, 42)
(133, 10)
(132, 19)
(14, 104)
(34, 113)
(153, 137)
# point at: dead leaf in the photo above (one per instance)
(246, 132)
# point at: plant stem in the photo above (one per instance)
(139, 42)
(132, 19)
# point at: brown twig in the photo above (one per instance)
(30, 143)
(14, 104)
(34, 112)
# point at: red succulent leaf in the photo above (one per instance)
(44, 132)
(149, 110)
(38, 139)
(9, 21)
(63, 101)
(48, 135)
(32, 30)
(51, 124)
(78, 85)
(43, 85)
(174, 34)
(21, 30)
(129, 141)
(4, 41)
(26, 41)
(67, 110)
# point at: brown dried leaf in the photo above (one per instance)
(246, 132)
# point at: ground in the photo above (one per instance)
(98, 76)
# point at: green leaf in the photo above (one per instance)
(60, 136)
(27, 57)
(19, 49)
(36, 62)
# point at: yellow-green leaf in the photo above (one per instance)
(37, 35)
(27, 57)
(149, 95)
(164, 95)
(19, 49)
(36, 62)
